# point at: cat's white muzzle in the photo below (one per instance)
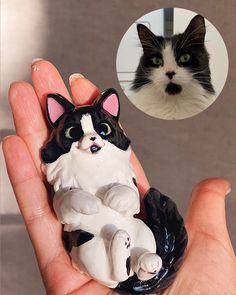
(91, 143)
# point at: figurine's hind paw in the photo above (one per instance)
(121, 239)
(120, 254)
(149, 265)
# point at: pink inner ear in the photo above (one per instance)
(55, 110)
(111, 105)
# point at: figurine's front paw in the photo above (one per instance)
(123, 199)
(83, 202)
(71, 204)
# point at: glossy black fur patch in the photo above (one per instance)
(171, 238)
(117, 137)
(52, 151)
(191, 42)
(135, 182)
(76, 238)
(128, 265)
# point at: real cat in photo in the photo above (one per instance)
(173, 78)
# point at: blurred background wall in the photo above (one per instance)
(83, 36)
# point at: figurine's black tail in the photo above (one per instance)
(168, 228)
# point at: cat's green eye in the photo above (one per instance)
(105, 129)
(184, 58)
(157, 61)
(68, 132)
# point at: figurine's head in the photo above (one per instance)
(86, 128)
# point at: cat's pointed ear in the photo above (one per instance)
(196, 30)
(56, 106)
(109, 101)
(146, 37)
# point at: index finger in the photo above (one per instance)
(83, 91)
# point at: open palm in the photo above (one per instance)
(209, 266)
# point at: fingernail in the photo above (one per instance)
(13, 90)
(75, 76)
(228, 191)
(35, 60)
(8, 136)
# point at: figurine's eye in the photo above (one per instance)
(184, 58)
(104, 129)
(69, 132)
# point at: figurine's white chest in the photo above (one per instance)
(91, 172)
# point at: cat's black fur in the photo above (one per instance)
(191, 41)
(59, 144)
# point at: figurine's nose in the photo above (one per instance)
(170, 74)
(93, 138)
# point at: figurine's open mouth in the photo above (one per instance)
(94, 148)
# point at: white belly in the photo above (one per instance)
(108, 220)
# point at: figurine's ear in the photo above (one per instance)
(56, 106)
(109, 101)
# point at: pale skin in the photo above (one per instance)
(209, 265)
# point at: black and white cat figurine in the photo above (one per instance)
(173, 78)
(87, 161)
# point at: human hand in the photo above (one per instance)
(209, 265)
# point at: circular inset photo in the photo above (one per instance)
(172, 63)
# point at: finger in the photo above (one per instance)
(31, 195)
(46, 79)
(206, 213)
(141, 179)
(28, 118)
(61, 278)
(90, 288)
(83, 91)
(142, 183)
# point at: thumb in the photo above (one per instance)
(206, 212)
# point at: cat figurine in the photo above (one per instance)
(173, 78)
(87, 161)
